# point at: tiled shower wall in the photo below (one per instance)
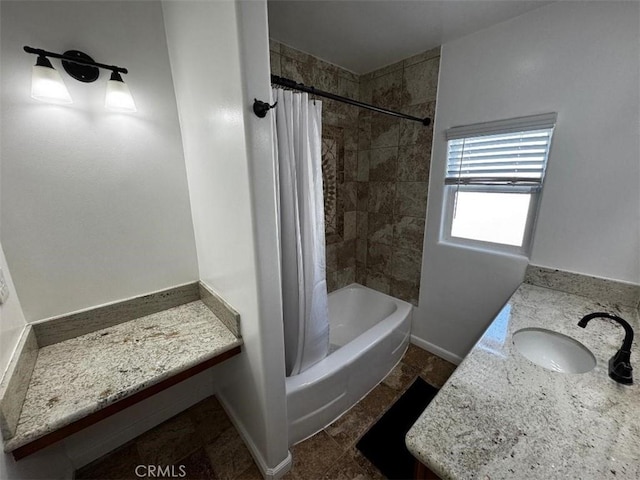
(393, 175)
(339, 154)
(375, 168)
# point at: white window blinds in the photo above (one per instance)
(507, 152)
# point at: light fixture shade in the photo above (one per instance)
(118, 96)
(47, 85)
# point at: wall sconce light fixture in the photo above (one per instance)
(47, 84)
(118, 96)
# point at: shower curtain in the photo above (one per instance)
(298, 130)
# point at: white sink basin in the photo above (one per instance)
(553, 350)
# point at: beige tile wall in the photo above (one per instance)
(340, 136)
(381, 167)
(393, 173)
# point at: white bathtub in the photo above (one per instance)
(369, 335)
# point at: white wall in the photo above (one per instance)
(579, 59)
(256, 82)
(53, 463)
(12, 320)
(95, 205)
(137, 162)
(219, 59)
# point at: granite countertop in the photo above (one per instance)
(76, 377)
(500, 416)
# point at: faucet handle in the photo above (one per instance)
(620, 368)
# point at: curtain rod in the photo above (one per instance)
(261, 108)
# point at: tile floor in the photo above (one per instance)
(203, 440)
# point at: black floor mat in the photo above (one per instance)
(384, 445)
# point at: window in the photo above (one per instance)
(495, 173)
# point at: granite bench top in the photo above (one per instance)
(500, 416)
(82, 375)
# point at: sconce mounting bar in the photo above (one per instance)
(81, 61)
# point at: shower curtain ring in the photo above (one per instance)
(261, 108)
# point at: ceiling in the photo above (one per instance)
(364, 35)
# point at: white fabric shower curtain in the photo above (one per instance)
(298, 132)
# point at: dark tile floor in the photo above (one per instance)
(203, 443)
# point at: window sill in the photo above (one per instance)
(486, 249)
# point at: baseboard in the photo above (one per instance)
(441, 352)
(269, 473)
(281, 469)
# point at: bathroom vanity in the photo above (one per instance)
(501, 416)
(70, 372)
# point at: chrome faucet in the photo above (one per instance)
(620, 364)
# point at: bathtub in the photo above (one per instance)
(369, 335)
